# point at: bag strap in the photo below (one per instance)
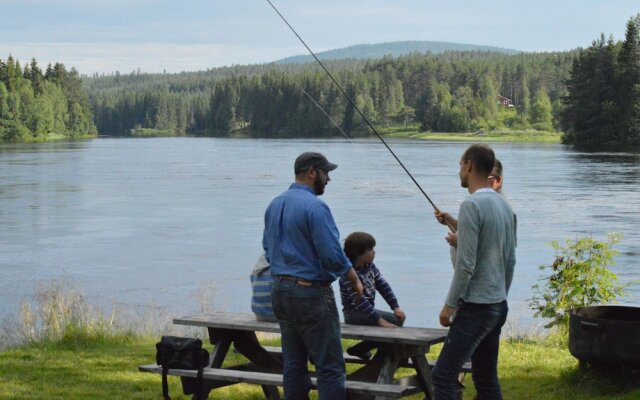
(203, 360)
(165, 371)
(198, 391)
(165, 386)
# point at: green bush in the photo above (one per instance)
(580, 276)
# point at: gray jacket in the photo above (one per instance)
(486, 250)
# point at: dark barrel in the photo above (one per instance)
(606, 335)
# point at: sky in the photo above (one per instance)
(104, 36)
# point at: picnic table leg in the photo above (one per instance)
(221, 341)
(423, 372)
(248, 345)
(389, 368)
(380, 369)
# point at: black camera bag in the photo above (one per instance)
(181, 353)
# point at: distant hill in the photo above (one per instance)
(395, 49)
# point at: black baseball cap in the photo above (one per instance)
(310, 159)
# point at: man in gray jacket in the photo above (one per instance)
(478, 292)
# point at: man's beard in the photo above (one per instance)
(318, 186)
(464, 181)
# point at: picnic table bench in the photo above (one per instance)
(402, 347)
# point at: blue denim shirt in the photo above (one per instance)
(301, 238)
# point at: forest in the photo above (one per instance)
(591, 95)
(37, 105)
(449, 92)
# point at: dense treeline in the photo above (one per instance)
(603, 100)
(37, 105)
(127, 104)
(455, 91)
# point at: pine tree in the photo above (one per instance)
(591, 116)
(223, 104)
(628, 83)
(521, 94)
(349, 114)
(36, 77)
(5, 115)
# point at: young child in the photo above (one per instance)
(358, 247)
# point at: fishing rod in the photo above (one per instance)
(355, 106)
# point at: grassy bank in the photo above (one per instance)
(81, 367)
(411, 131)
(51, 137)
(61, 347)
(529, 135)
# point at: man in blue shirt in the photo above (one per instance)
(302, 244)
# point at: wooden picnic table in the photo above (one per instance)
(400, 347)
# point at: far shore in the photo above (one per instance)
(531, 136)
(523, 136)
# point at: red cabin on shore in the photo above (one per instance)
(504, 101)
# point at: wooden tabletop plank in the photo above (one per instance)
(247, 322)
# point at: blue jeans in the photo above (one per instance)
(475, 334)
(310, 326)
(356, 318)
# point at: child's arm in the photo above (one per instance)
(356, 285)
(383, 287)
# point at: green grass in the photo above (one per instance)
(52, 137)
(152, 132)
(80, 367)
(64, 348)
(412, 131)
(493, 136)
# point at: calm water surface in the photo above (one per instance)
(169, 224)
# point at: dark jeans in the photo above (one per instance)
(475, 334)
(310, 326)
(356, 318)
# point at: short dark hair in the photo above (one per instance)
(357, 243)
(497, 168)
(482, 158)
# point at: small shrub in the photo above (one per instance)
(580, 276)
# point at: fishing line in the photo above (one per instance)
(325, 113)
(354, 106)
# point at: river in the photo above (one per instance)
(173, 225)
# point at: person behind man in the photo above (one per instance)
(302, 245)
(495, 180)
(261, 285)
(483, 274)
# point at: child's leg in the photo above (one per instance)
(363, 349)
(356, 318)
(390, 317)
